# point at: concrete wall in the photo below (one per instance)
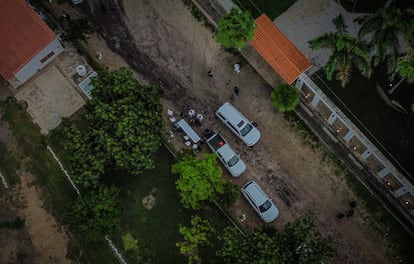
(35, 64)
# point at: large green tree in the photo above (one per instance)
(198, 234)
(235, 29)
(347, 51)
(199, 180)
(299, 243)
(285, 97)
(96, 213)
(125, 119)
(86, 165)
(382, 29)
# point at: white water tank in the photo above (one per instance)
(81, 70)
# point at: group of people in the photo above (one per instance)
(194, 119)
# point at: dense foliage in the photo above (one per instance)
(382, 29)
(86, 163)
(405, 66)
(285, 97)
(347, 51)
(299, 242)
(124, 125)
(130, 243)
(194, 236)
(199, 180)
(125, 119)
(235, 29)
(95, 214)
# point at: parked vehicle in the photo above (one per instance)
(226, 155)
(238, 123)
(260, 201)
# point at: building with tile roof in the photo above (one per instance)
(281, 54)
(27, 44)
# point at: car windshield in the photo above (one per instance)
(265, 206)
(233, 161)
(246, 129)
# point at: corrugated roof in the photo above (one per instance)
(22, 35)
(287, 60)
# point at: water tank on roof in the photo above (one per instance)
(81, 70)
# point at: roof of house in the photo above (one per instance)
(284, 57)
(22, 35)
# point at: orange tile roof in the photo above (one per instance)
(287, 60)
(22, 35)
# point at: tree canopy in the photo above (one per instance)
(125, 119)
(382, 29)
(405, 66)
(347, 51)
(199, 180)
(285, 97)
(299, 242)
(86, 165)
(235, 29)
(95, 214)
(124, 124)
(194, 236)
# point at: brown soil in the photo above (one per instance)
(41, 240)
(163, 42)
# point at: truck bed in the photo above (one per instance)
(216, 141)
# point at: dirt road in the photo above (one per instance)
(163, 42)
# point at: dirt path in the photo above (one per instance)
(49, 240)
(169, 48)
(41, 240)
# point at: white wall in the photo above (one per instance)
(34, 65)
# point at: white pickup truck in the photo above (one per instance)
(226, 155)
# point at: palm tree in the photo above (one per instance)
(405, 66)
(347, 52)
(382, 29)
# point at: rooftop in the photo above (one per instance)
(22, 35)
(282, 55)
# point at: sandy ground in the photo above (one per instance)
(41, 240)
(172, 50)
(50, 97)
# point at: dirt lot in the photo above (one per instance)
(172, 50)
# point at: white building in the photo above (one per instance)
(27, 44)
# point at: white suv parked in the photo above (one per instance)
(260, 201)
(238, 123)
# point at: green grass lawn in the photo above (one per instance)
(272, 8)
(157, 228)
(390, 127)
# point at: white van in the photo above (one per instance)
(238, 123)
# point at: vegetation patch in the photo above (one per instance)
(16, 223)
